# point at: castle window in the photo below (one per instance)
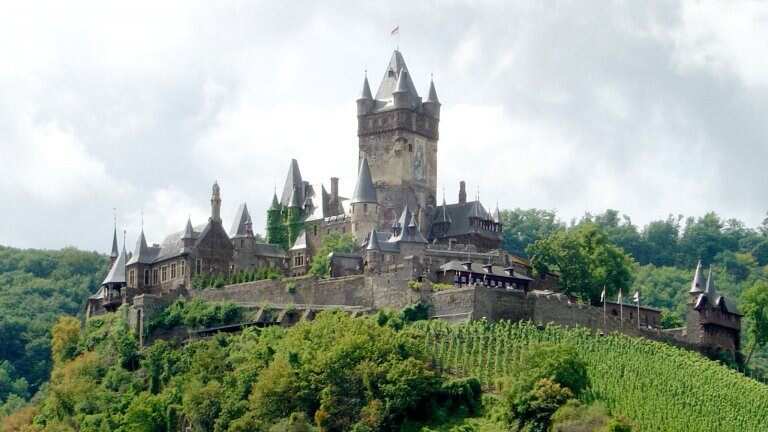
(298, 260)
(410, 147)
(131, 277)
(164, 273)
(173, 271)
(183, 265)
(146, 276)
(314, 230)
(198, 266)
(155, 276)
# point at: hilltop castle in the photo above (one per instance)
(403, 237)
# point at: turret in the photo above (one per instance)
(401, 97)
(365, 101)
(365, 205)
(294, 216)
(114, 254)
(432, 104)
(697, 285)
(462, 192)
(373, 253)
(216, 203)
(188, 239)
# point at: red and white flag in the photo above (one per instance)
(395, 30)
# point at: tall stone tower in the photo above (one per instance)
(398, 134)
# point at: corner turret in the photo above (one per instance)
(432, 104)
(365, 101)
(365, 205)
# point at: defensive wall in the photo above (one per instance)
(306, 295)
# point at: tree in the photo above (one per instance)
(334, 242)
(585, 260)
(66, 336)
(524, 227)
(754, 305)
(661, 241)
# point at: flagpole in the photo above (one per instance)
(621, 311)
(638, 309)
(602, 299)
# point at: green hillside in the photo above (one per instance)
(659, 387)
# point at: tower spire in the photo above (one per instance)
(114, 253)
(364, 190)
(215, 202)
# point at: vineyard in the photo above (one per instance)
(659, 387)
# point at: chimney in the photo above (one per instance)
(462, 192)
(334, 189)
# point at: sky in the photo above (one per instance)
(649, 108)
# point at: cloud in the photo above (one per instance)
(648, 108)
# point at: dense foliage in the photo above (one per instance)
(585, 260)
(204, 280)
(334, 242)
(195, 314)
(336, 373)
(37, 286)
(659, 387)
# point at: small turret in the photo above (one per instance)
(188, 239)
(365, 101)
(401, 97)
(141, 253)
(697, 285)
(216, 203)
(365, 205)
(276, 231)
(114, 254)
(432, 104)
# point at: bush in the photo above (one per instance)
(195, 314)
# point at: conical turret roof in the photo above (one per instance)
(373, 242)
(710, 290)
(697, 285)
(240, 224)
(141, 253)
(294, 201)
(432, 97)
(364, 190)
(189, 232)
(391, 74)
(366, 93)
(293, 181)
(497, 214)
(114, 252)
(275, 203)
(116, 274)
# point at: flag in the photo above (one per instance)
(619, 301)
(637, 297)
(602, 296)
(395, 31)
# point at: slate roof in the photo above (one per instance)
(293, 181)
(114, 253)
(459, 215)
(389, 84)
(366, 93)
(478, 268)
(408, 229)
(432, 93)
(141, 254)
(382, 239)
(241, 222)
(697, 285)
(373, 242)
(116, 274)
(322, 208)
(301, 242)
(364, 190)
(269, 250)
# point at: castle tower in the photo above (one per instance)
(398, 136)
(373, 255)
(275, 229)
(697, 285)
(114, 254)
(216, 203)
(293, 216)
(365, 206)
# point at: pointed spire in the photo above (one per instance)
(293, 181)
(114, 253)
(242, 219)
(189, 232)
(364, 190)
(710, 290)
(497, 214)
(116, 274)
(373, 242)
(432, 97)
(294, 201)
(366, 93)
(275, 204)
(402, 82)
(141, 252)
(697, 286)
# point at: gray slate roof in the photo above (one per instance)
(114, 253)
(293, 181)
(408, 229)
(432, 93)
(373, 242)
(364, 190)
(241, 222)
(478, 268)
(301, 241)
(389, 84)
(697, 285)
(366, 93)
(116, 274)
(141, 254)
(268, 250)
(459, 216)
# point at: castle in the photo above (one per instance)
(402, 235)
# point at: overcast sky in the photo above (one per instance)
(573, 106)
